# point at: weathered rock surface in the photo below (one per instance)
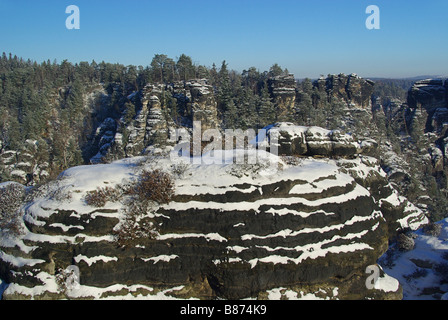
(316, 141)
(202, 103)
(231, 231)
(352, 89)
(283, 92)
(430, 96)
(185, 102)
(104, 138)
(429, 93)
(24, 165)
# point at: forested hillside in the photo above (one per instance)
(58, 106)
(55, 115)
(360, 164)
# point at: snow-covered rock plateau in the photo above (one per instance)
(285, 226)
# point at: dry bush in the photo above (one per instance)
(151, 187)
(156, 185)
(292, 160)
(136, 226)
(179, 169)
(67, 279)
(405, 242)
(99, 197)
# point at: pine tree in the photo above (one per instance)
(231, 119)
(185, 67)
(225, 100)
(214, 77)
(266, 108)
(335, 114)
(157, 66)
(251, 79)
(75, 99)
(304, 110)
(202, 72)
(247, 112)
(275, 70)
(129, 112)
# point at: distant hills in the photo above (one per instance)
(416, 78)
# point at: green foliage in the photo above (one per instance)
(47, 102)
(265, 107)
(129, 112)
(392, 89)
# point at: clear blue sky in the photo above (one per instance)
(307, 37)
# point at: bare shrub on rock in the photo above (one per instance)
(155, 185)
(138, 224)
(99, 197)
(135, 227)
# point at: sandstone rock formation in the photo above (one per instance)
(283, 91)
(430, 96)
(352, 89)
(316, 141)
(24, 165)
(428, 105)
(104, 137)
(150, 128)
(429, 93)
(231, 231)
(203, 103)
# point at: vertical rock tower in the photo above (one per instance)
(283, 91)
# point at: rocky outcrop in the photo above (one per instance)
(416, 162)
(203, 104)
(283, 92)
(162, 105)
(104, 138)
(428, 110)
(231, 231)
(315, 141)
(430, 96)
(26, 165)
(156, 123)
(352, 89)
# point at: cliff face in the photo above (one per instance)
(429, 93)
(202, 102)
(430, 96)
(352, 89)
(24, 164)
(162, 105)
(415, 160)
(314, 141)
(311, 224)
(283, 91)
(230, 231)
(160, 108)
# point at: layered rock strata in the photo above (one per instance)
(231, 231)
(352, 89)
(283, 92)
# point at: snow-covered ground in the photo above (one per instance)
(415, 270)
(423, 271)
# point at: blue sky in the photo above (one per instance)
(309, 38)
